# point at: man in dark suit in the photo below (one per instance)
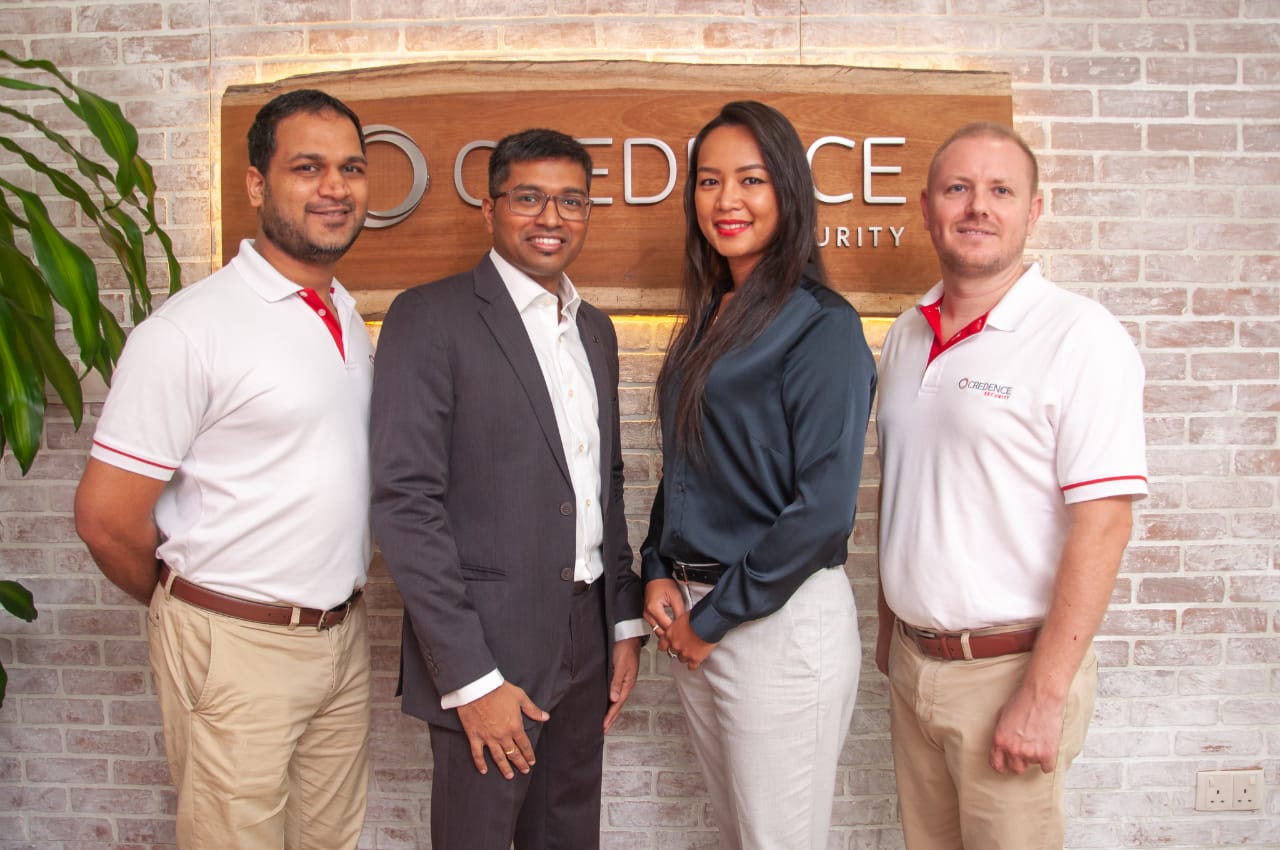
(497, 502)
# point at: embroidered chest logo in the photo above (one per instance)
(987, 388)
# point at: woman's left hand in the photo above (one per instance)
(684, 642)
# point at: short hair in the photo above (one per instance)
(990, 129)
(533, 144)
(262, 133)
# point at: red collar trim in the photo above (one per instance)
(312, 300)
(933, 315)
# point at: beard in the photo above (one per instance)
(959, 263)
(286, 235)
(967, 263)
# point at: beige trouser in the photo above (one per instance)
(266, 728)
(768, 713)
(942, 719)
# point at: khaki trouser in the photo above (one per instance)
(266, 728)
(768, 713)
(943, 716)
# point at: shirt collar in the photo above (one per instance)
(525, 291)
(264, 279)
(1010, 309)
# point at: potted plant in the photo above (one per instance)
(41, 266)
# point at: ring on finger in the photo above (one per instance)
(508, 752)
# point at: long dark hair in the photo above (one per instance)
(794, 246)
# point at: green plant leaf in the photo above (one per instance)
(133, 259)
(146, 179)
(20, 280)
(21, 389)
(24, 85)
(51, 267)
(126, 241)
(36, 64)
(17, 600)
(66, 186)
(113, 343)
(95, 171)
(67, 270)
(119, 138)
(57, 369)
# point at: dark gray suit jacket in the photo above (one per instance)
(472, 502)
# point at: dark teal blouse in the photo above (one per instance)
(773, 499)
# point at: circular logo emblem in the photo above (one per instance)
(376, 219)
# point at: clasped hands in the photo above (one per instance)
(665, 611)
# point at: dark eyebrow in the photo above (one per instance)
(315, 157)
(525, 187)
(738, 170)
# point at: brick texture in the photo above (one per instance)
(1158, 127)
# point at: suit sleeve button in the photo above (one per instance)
(566, 574)
(566, 508)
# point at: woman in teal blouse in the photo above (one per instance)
(763, 399)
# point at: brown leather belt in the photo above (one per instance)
(968, 646)
(254, 612)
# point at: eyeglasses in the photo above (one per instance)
(530, 203)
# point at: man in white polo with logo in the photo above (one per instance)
(228, 488)
(1011, 444)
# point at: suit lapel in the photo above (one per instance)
(499, 313)
(594, 344)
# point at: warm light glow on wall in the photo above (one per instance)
(874, 328)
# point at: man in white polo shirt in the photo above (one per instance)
(228, 488)
(1011, 444)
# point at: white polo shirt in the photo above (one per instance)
(235, 391)
(983, 449)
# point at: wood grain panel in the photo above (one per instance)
(631, 260)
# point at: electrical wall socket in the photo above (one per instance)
(1228, 790)
(1246, 790)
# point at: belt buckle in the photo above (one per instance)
(682, 573)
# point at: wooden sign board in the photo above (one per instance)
(870, 132)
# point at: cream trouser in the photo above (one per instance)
(942, 720)
(768, 712)
(266, 728)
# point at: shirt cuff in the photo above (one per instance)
(470, 693)
(627, 629)
(131, 462)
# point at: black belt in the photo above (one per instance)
(709, 573)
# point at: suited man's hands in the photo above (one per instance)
(493, 721)
(626, 665)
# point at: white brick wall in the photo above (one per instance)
(1158, 122)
